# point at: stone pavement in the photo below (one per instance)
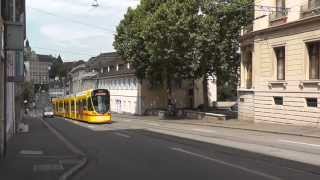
(312, 131)
(37, 154)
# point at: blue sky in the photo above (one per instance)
(73, 28)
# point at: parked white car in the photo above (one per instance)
(48, 112)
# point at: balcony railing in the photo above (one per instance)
(310, 9)
(278, 17)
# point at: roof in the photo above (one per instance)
(46, 58)
(104, 59)
(78, 67)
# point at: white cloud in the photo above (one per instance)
(61, 32)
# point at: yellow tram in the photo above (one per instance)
(92, 106)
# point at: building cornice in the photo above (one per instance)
(300, 22)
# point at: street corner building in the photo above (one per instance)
(128, 94)
(280, 66)
(12, 36)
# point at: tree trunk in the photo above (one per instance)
(205, 93)
(169, 92)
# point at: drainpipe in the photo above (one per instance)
(5, 96)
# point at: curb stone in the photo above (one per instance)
(229, 127)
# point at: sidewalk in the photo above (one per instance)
(37, 155)
(286, 129)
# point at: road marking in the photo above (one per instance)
(301, 143)
(204, 130)
(153, 124)
(30, 152)
(122, 135)
(226, 163)
(91, 127)
(70, 161)
(47, 167)
(127, 120)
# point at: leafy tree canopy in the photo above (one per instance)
(167, 39)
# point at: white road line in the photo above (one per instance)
(30, 152)
(91, 127)
(226, 164)
(127, 120)
(204, 130)
(122, 135)
(153, 124)
(300, 143)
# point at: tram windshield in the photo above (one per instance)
(100, 101)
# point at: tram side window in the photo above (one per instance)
(66, 107)
(90, 107)
(60, 106)
(85, 106)
(77, 105)
(72, 106)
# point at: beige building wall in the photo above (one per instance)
(257, 103)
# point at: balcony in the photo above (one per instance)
(278, 17)
(310, 9)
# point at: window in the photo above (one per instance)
(312, 102)
(280, 5)
(111, 68)
(278, 100)
(314, 58)
(90, 107)
(129, 83)
(85, 104)
(248, 71)
(241, 99)
(121, 67)
(313, 4)
(280, 56)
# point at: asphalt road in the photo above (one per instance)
(124, 151)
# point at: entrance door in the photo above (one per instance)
(118, 103)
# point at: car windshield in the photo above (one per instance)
(48, 109)
(101, 103)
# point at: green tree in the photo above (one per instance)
(158, 38)
(170, 35)
(27, 91)
(219, 40)
(166, 40)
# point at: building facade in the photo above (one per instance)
(38, 67)
(280, 66)
(132, 96)
(2, 82)
(13, 34)
(79, 78)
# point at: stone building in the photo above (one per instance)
(2, 83)
(78, 78)
(12, 26)
(132, 96)
(280, 67)
(38, 67)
